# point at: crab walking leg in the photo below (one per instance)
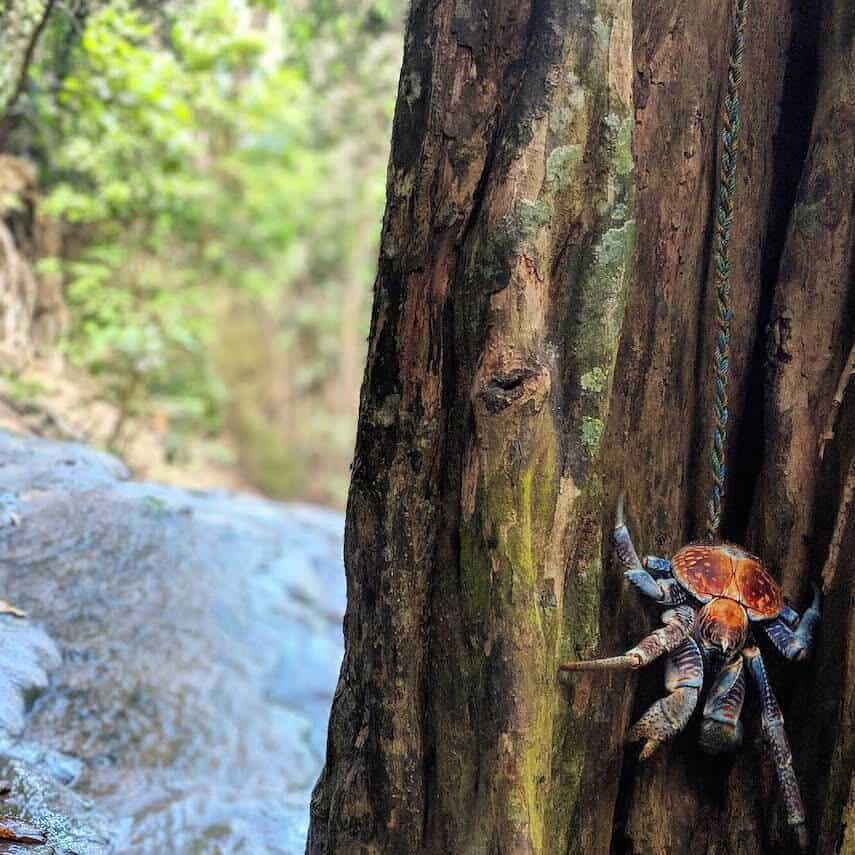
(678, 626)
(667, 591)
(795, 638)
(721, 729)
(684, 676)
(624, 549)
(776, 740)
(789, 616)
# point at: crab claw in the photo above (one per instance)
(644, 582)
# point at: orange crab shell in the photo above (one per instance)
(725, 570)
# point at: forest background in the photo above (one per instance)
(191, 196)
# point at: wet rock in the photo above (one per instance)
(62, 768)
(69, 822)
(191, 641)
(26, 656)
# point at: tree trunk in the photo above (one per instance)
(540, 341)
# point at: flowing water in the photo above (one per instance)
(191, 644)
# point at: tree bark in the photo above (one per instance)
(541, 340)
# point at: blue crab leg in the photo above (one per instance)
(789, 616)
(678, 626)
(776, 740)
(625, 551)
(795, 638)
(668, 590)
(721, 729)
(684, 676)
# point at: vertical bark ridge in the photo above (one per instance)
(517, 298)
(791, 141)
(470, 462)
(371, 796)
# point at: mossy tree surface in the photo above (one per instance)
(540, 340)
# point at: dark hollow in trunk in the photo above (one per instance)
(540, 341)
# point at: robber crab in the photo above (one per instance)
(717, 594)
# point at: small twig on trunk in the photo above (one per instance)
(833, 565)
(837, 401)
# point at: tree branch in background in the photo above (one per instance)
(21, 24)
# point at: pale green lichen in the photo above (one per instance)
(516, 231)
(601, 297)
(596, 274)
(602, 32)
(600, 301)
(575, 91)
(613, 251)
(527, 218)
(619, 142)
(568, 109)
(594, 380)
(562, 163)
(560, 119)
(592, 434)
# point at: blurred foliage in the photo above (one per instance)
(218, 169)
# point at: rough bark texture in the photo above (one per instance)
(540, 341)
(32, 308)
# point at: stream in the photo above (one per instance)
(170, 689)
